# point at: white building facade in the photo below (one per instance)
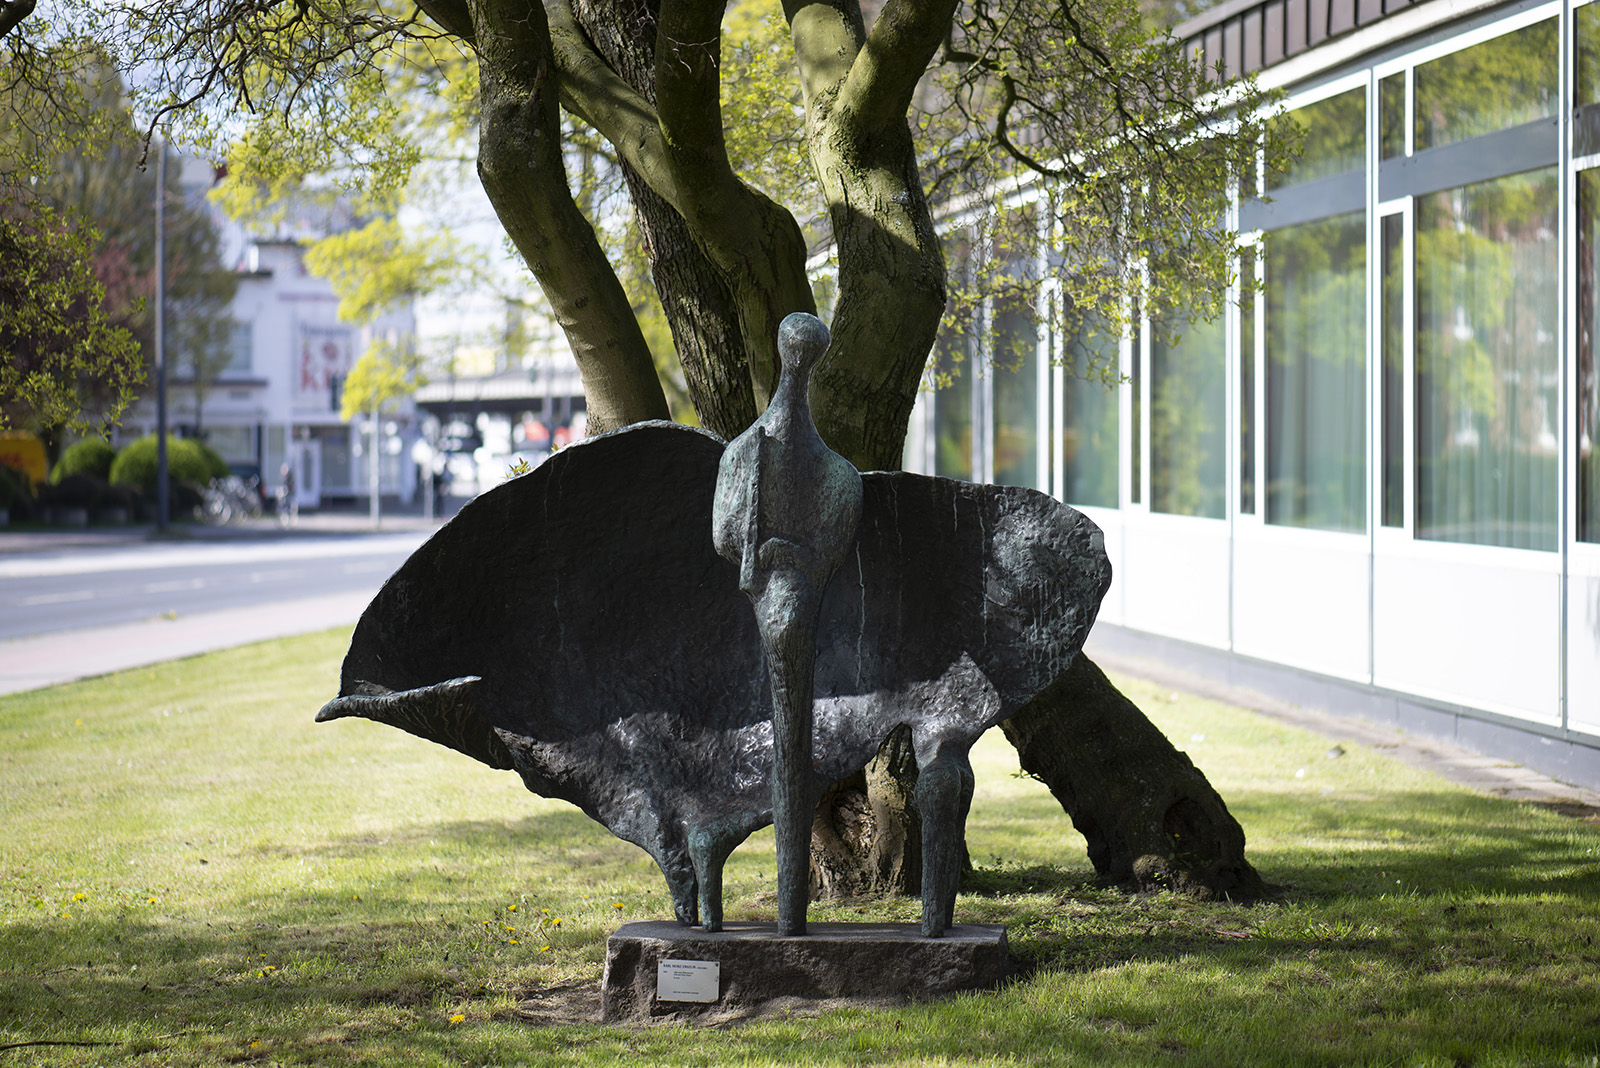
(1372, 485)
(277, 401)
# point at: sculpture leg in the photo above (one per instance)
(792, 803)
(709, 851)
(786, 617)
(944, 790)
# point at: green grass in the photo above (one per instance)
(193, 873)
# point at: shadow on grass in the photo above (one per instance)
(1444, 917)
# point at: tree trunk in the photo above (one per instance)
(1151, 819)
(866, 837)
(699, 304)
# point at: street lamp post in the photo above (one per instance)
(163, 492)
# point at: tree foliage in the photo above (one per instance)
(66, 364)
(904, 113)
(72, 163)
(387, 371)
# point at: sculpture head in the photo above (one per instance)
(802, 339)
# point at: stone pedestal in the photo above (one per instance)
(866, 962)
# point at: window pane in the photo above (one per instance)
(952, 364)
(1588, 384)
(1394, 398)
(1316, 374)
(1486, 362)
(1187, 429)
(1586, 41)
(1090, 420)
(952, 407)
(1015, 358)
(241, 341)
(1335, 142)
(1247, 384)
(1499, 83)
(1135, 380)
(1392, 115)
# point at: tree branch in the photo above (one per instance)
(688, 84)
(12, 12)
(827, 38)
(599, 96)
(520, 163)
(881, 81)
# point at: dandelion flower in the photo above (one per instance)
(80, 897)
(459, 1017)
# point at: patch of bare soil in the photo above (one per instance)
(580, 1004)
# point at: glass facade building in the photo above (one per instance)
(1378, 467)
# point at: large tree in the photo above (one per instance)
(1059, 124)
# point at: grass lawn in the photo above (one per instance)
(193, 873)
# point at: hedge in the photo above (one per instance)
(187, 461)
(91, 456)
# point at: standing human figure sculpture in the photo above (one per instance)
(786, 511)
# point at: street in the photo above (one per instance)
(44, 593)
(74, 607)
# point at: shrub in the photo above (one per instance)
(15, 494)
(187, 461)
(91, 456)
(74, 491)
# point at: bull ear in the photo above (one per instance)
(446, 713)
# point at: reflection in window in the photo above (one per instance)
(1247, 384)
(1015, 358)
(1336, 138)
(1316, 374)
(1588, 384)
(1392, 116)
(240, 345)
(1392, 400)
(1586, 48)
(952, 406)
(952, 366)
(1486, 289)
(1187, 428)
(1136, 389)
(1500, 83)
(1090, 421)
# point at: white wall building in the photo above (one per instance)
(277, 401)
(1372, 486)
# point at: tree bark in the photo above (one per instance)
(857, 88)
(1151, 819)
(521, 167)
(699, 304)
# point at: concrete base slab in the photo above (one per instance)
(866, 962)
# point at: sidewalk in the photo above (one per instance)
(1449, 761)
(50, 659)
